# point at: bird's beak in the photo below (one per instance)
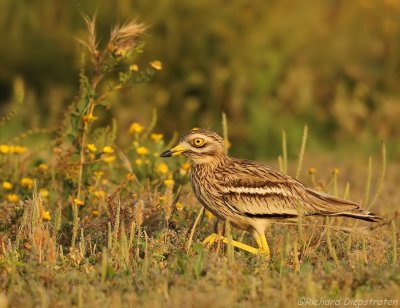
(179, 149)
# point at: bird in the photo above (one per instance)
(251, 195)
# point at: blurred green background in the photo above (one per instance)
(270, 65)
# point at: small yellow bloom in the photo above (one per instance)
(98, 174)
(136, 128)
(120, 53)
(18, 149)
(12, 198)
(79, 202)
(162, 168)
(138, 162)
(134, 68)
(88, 118)
(92, 147)
(27, 182)
(130, 177)
(108, 150)
(156, 137)
(4, 149)
(209, 215)
(7, 185)
(186, 166)
(312, 170)
(44, 192)
(335, 171)
(108, 159)
(100, 194)
(156, 64)
(169, 182)
(179, 206)
(142, 150)
(46, 215)
(95, 213)
(162, 198)
(43, 167)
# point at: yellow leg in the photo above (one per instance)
(211, 239)
(262, 243)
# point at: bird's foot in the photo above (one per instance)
(212, 238)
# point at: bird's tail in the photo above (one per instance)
(361, 214)
(327, 205)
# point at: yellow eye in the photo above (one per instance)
(198, 142)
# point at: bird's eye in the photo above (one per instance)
(198, 142)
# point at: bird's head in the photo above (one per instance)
(200, 145)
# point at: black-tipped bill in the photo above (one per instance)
(166, 154)
(178, 150)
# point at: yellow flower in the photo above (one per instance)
(7, 185)
(108, 159)
(88, 118)
(92, 147)
(157, 137)
(12, 198)
(335, 171)
(43, 167)
(156, 64)
(209, 215)
(312, 170)
(100, 194)
(95, 213)
(138, 162)
(44, 192)
(79, 202)
(186, 166)
(27, 182)
(142, 150)
(162, 168)
(179, 206)
(46, 215)
(4, 149)
(120, 52)
(162, 198)
(134, 68)
(169, 182)
(108, 150)
(18, 149)
(136, 128)
(98, 174)
(130, 177)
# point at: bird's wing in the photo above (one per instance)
(254, 190)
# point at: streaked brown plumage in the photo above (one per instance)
(250, 194)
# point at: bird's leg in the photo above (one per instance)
(215, 237)
(219, 229)
(262, 243)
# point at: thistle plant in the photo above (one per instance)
(77, 137)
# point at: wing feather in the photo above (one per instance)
(255, 190)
